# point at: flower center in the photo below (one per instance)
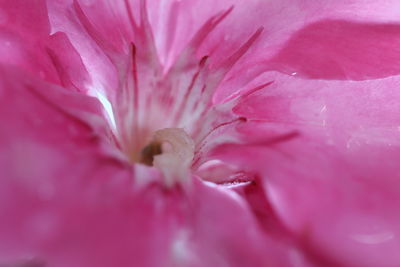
(171, 151)
(148, 152)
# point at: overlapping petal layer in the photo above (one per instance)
(349, 39)
(324, 153)
(67, 200)
(25, 42)
(328, 153)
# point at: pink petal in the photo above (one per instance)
(298, 254)
(328, 152)
(103, 74)
(23, 27)
(67, 62)
(25, 43)
(17, 15)
(176, 22)
(65, 200)
(341, 50)
(290, 42)
(282, 32)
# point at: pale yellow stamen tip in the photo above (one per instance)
(177, 152)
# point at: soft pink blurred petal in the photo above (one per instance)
(17, 16)
(25, 42)
(327, 152)
(67, 62)
(328, 155)
(23, 26)
(67, 200)
(341, 50)
(103, 74)
(347, 37)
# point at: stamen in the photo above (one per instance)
(148, 153)
(202, 142)
(177, 152)
(223, 124)
(181, 109)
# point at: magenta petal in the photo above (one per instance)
(29, 54)
(65, 202)
(341, 50)
(340, 208)
(28, 18)
(47, 152)
(25, 42)
(328, 153)
(323, 154)
(67, 62)
(24, 26)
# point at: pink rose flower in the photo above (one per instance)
(188, 133)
